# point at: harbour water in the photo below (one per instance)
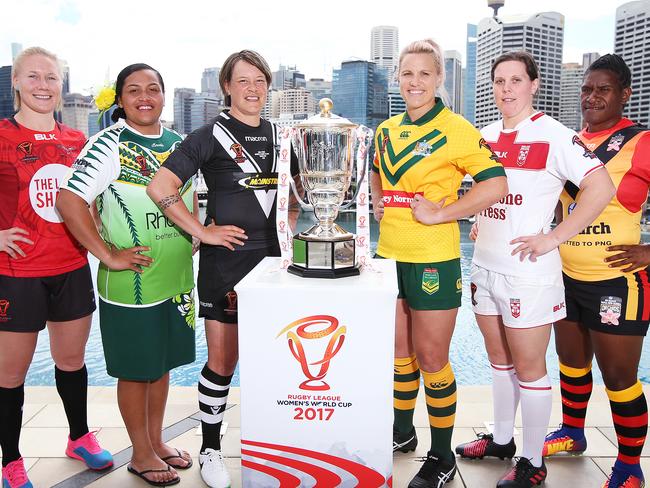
(467, 352)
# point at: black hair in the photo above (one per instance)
(119, 113)
(615, 64)
(522, 56)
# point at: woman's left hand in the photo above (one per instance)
(425, 211)
(632, 256)
(534, 246)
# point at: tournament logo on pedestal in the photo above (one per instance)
(330, 337)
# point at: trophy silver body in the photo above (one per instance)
(324, 145)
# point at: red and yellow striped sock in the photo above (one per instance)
(576, 385)
(630, 414)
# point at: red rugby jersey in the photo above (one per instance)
(32, 165)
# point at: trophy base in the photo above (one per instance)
(323, 273)
(323, 259)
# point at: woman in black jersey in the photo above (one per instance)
(239, 230)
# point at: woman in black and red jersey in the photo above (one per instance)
(606, 280)
(44, 273)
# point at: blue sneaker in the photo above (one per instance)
(625, 476)
(561, 441)
(88, 450)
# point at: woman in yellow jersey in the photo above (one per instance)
(421, 158)
(606, 279)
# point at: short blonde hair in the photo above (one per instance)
(24, 54)
(428, 46)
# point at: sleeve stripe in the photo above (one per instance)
(489, 173)
(593, 169)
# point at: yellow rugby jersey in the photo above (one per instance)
(429, 157)
(625, 151)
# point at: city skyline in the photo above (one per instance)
(164, 40)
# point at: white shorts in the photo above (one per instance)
(521, 302)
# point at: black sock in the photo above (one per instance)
(73, 390)
(11, 418)
(213, 394)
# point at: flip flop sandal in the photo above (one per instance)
(178, 454)
(141, 474)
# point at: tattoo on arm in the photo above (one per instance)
(166, 202)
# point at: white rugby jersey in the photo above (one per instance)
(539, 156)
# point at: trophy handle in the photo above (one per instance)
(304, 205)
(365, 131)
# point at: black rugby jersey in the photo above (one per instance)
(239, 164)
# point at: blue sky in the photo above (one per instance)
(182, 38)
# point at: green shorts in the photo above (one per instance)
(144, 343)
(430, 286)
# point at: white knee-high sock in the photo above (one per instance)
(536, 398)
(505, 395)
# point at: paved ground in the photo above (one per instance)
(44, 435)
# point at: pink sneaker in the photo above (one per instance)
(15, 476)
(88, 450)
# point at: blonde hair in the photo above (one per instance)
(33, 51)
(431, 47)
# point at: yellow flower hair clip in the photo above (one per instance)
(105, 99)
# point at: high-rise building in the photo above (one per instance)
(297, 101)
(319, 88)
(65, 68)
(396, 104)
(76, 108)
(454, 80)
(570, 83)
(542, 35)
(469, 87)
(287, 77)
(182, 115)
(588, 58)
(360, 92)
(16, 48)
(210, 82)
(271, 109)
(384, 48)
(632, 43)
(6, 93)
(192, 110)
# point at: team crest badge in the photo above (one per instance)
(4, 308)
(610, 309)
(587, 154)
(239, 153)
(25, 149)
(523, 154)
(615, 142)
(422, 148)
(515, 307)
(231, 303)
(142, 162)
(430, 281)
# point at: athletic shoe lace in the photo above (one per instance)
(90, 442)
(523, 470)
(16, 474)
(622, 479)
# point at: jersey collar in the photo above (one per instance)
(428, 117)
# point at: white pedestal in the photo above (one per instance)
(316, 370)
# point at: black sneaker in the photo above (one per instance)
(404, 442)
(484, 445)
(523, 475)
(434, 473)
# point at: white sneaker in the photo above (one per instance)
(213, 469)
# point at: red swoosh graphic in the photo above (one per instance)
(324, 478)
(367, 477)
(286, 480)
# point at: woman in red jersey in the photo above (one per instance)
(606, 280)
(44, 273)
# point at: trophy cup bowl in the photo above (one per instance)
(324, 146)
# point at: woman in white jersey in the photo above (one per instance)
(517, 290)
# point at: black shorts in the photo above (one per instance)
(27, 304)
(219, 271)
(617, 306)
